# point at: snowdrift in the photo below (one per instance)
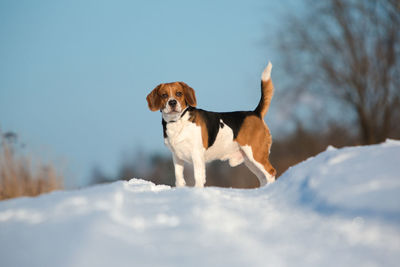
(341, 208)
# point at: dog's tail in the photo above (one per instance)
(267, 91)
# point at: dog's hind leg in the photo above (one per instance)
(254, 169)
(264, 171)
(255, 141)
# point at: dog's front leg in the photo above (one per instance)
(199, 166)
(179, 165)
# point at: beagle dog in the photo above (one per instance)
(198, 136)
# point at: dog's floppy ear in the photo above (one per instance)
(190, 96)
(154, 100)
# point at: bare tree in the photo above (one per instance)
(349, 50)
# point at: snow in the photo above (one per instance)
(340, 208)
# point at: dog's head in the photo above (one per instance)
(171, 98)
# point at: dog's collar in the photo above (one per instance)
(183, 113)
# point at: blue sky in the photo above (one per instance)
(74, 75)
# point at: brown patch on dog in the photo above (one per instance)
(154, 99)
(190, 97)
(199, 121)
(255, 133)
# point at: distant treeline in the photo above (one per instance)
(285, 152)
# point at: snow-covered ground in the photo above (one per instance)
(341, 208)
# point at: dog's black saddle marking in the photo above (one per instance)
(213, 122)
(216, 120)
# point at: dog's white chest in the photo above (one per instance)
(182, 138)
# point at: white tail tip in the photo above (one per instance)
(266, 75)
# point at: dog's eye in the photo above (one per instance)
(164, 95)
(179, 94)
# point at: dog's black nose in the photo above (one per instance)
(172, 103)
